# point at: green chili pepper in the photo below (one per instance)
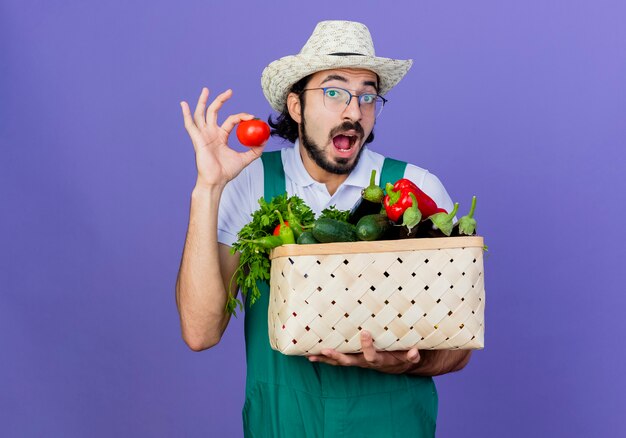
(293, 222)
(285, 233)
(267, 242)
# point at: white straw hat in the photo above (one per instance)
(333, 44)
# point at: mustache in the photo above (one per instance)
(348, 126)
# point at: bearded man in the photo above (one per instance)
(328, 96)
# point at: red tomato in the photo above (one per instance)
(277, 229)
(253, 132)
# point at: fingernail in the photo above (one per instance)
(412, 355)
(312, 359)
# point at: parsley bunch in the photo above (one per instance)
(254, 263)
(333, 213)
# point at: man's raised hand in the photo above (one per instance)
(216, 162)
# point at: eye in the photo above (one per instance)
(368, 99)
(334, 93)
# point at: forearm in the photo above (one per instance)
(437, 362)
(200, 292)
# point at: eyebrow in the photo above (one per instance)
(342, 79)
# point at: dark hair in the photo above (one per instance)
(286, 127)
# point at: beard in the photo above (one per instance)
(339, 166)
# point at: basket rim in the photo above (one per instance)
(377, 246)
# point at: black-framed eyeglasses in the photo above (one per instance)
(337, 100)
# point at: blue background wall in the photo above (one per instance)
(521, 103)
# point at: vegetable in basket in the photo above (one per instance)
(444, 221)
(333, 212)
(370, 201)
(255, 241)
(267, 242)
(285, 232)
(306, 238)
(398, 200)
(277, 229)
(412, 215)
(294, 222)
(327, 230)
(373, 227)
(467, 224)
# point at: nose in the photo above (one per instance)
(353, 110)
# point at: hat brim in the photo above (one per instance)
(280, 75)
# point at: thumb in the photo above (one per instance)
(252, 154)
(367, 346)
(413, 355)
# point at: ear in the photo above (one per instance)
(294, 107)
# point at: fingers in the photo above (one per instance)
(322, 359)
(232, 121)
(340, 358)
(215, 106)
(367, 345)
(189, 123)
(369, 358)
(198, 115)
(332, 357)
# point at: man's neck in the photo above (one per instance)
(331, 180)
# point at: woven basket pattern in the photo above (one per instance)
(425, 298)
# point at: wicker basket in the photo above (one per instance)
(425, 293)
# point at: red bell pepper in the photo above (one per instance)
(398, 200)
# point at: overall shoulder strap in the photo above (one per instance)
(392, 171)
(273, 185)
(273, 175)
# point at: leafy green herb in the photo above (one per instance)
(254, 263)
(333, 213)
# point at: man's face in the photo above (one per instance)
(334, 140)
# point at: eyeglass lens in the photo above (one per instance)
(337, 99)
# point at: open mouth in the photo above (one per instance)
(344, 143)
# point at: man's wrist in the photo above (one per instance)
(206, 190)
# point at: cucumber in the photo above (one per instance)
(306, 238)
(327, 230)
(373, 227)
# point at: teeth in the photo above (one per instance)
(350, 144)
(346, 149)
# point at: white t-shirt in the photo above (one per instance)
(240, 197)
